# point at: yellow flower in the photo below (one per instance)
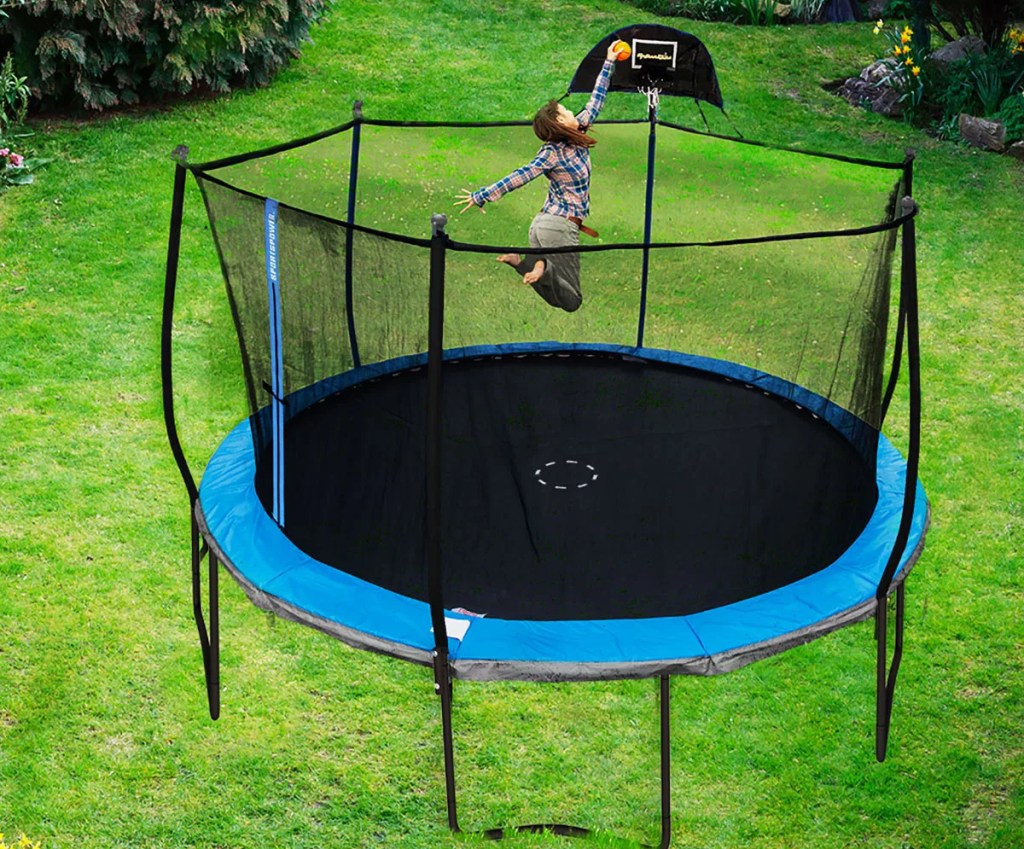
(915, 70)
(910, 60)
(880, 23)
(904, 38)
(876, 30)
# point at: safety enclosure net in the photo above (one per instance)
(766, 274)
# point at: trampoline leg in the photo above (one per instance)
(666, 772)
(443, 687)
(886, 681)
(209, 640)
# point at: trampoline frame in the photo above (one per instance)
(890, 589)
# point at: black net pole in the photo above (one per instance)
(652, 119)
(435, 357)
(353, 178)
(886, 680)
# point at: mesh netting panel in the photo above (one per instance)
(811, 311)
(315, 256)
(312, 176)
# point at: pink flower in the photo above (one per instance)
(5, 151)
(16, 160)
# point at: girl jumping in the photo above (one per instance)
(565, 159)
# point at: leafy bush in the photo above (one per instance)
(728, 11)
(807, 11)
(103, 53)
(1011, 113)
(953, 19)
(14, 95)
(978, 84)
(735, 11)
(759, 11)
(710, 10)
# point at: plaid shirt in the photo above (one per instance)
(566, 165)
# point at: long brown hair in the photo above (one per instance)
(547, 128)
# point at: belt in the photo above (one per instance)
(583, 227)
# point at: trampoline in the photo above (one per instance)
(575, 500)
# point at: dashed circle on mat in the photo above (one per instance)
(566, 474)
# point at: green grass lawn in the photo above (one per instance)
(104, 736)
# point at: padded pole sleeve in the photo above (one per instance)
(170, 284)
(435, 352)
(353, 180)
(648, 214)
(908, 299)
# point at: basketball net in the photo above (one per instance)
(653, 97)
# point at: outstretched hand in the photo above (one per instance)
(612, 55)
(465, 197)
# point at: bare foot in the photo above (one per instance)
(510, 259)
(533, 276)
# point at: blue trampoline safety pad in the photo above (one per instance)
(278, 576)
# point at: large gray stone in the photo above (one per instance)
(956, 50)
(980, 132)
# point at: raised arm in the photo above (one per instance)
(597, 97)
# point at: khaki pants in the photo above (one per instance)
(560, 283)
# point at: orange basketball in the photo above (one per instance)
(622, 50)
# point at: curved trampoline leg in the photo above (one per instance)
(209, 639)
(886, 682)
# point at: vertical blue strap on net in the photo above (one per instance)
(270, 226)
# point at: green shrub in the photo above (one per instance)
(806, 11)
(728, 11)
(102, 53)
(1011, 113)
(759, 12)
(979, 83)
(14, 95)
(952, 19)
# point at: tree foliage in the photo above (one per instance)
(103, 53)
(990, 20)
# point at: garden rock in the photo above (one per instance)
(1016, 150)
(980, 132)
(871, 90)
(957, 50)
